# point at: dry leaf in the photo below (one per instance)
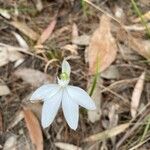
(47, 32)
(66, 146)
(36, 108)
(39, 5)
(136, 27)
(1, 123)
(19, 62)
(33, 77)
(140, 46)
(136, 95)
(113, 120)
(108, 133)
(25, 29)
(75, 33)
(18, 117)
(102, 49)
(4, 90)
(8, 55)
(82, 40)
(146, 17)
(20, 40)
(111, 73)
(5, 13)
(95, 115)
(11, 143)
(72, 48)
(34, 129)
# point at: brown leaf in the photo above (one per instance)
(66, 146)
(75, 33)
(33, 77)
(21, 40)
(4, 90)
(1, 123)
(136, 95)
(11, 143)
(47, 32)
(25, 29)
(140, 46)
(108, 133)
(7, 55)
(33, 128)
(102, 49)
(82, 40)
(72, 48)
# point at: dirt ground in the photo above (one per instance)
(35, 37)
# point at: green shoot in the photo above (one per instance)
(95, 78)
(146, 129)
(137, 10)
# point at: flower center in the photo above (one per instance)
(64, 76)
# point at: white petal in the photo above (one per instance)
(45, 92)
(66, 67)
(70, 110)
(81, 97)
(50, 109)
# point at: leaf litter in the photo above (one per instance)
(119, 93)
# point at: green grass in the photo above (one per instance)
(137, 10)
(95, 78)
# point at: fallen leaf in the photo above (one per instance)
(1, 123)
(82, 40)
(4, 90)
(5, 13)
(66, 146)
(20, 40)
(75, 33)
(19, 62)
(113, 120)
(108, 133)
(95, 115)
(72, 48)
(136, 95)
(47, 32)
(136, 27)
(140, 46)
(33, 77)
(119, 13)
(18, 117)
(33, 128)
(102, 48)
(111, 73)
(8, 55)
(145, 16)
(36, 108)
(25, 29)
(39, 5)
(11, 143)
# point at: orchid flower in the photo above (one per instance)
(62, 94)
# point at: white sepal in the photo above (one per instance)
(44, 92)
(81, 97)
(70, 110)
(50, 109)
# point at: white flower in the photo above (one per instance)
(62, 94)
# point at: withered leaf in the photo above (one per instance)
(33, 128)
(136, 95)
(102, 48)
